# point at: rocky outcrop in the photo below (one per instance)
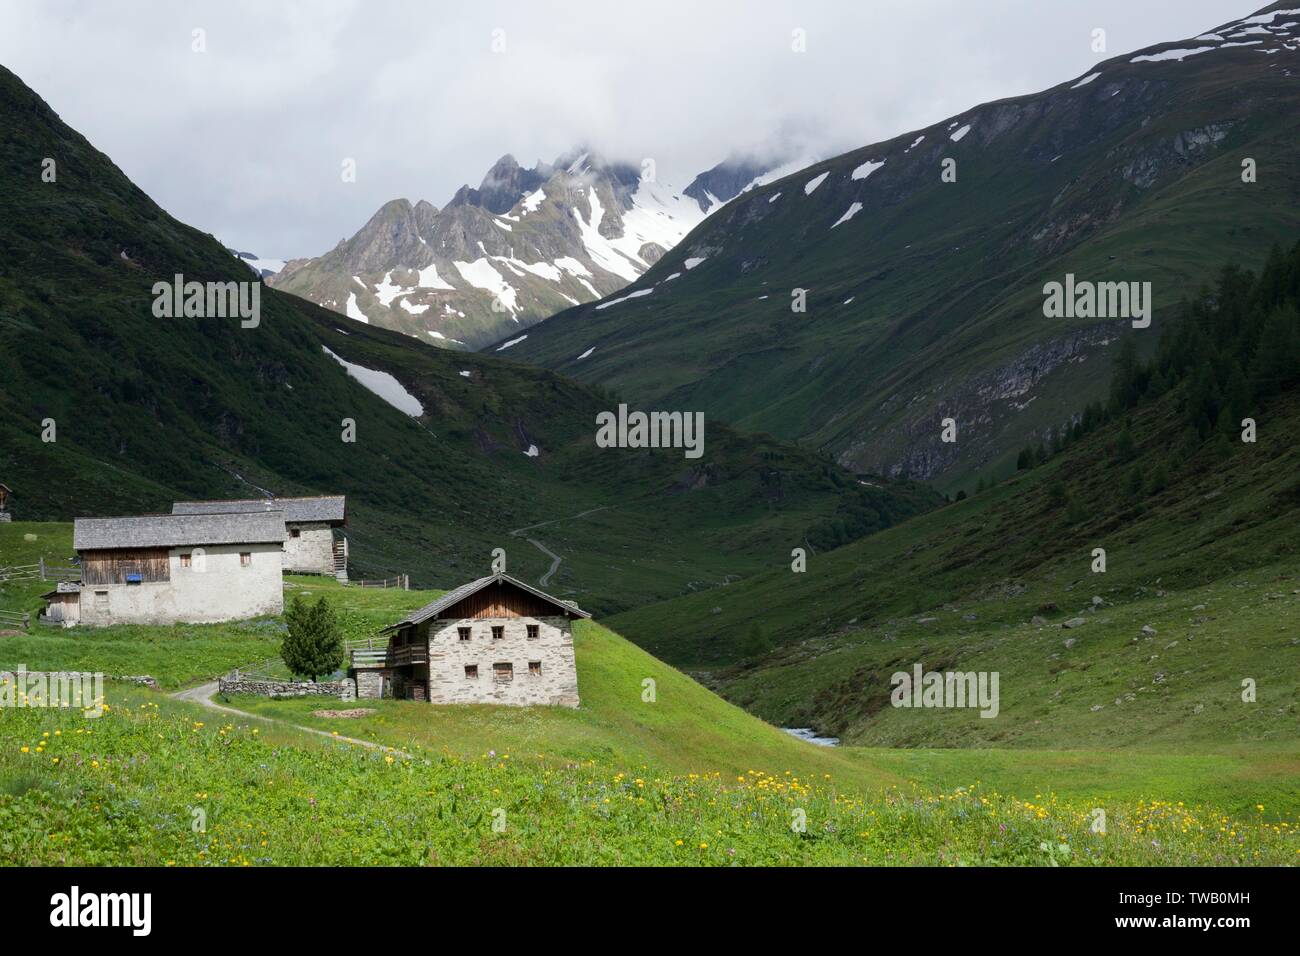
(981, 405)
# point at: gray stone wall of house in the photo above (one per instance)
(345, 689)
(312, 551)
(542, 669)
(217, 586)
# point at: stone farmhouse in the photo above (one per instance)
(492, 641)
(164, 569)
(314, 540)
(5, 492)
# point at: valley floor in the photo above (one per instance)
(683, 779)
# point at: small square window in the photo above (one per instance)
(498, 632)
(471, 671)
(295, 533)
(462, 633)
(187, 560)
(532, 632)
(534, 668)
(101, 599)
(245, 558)
(503, 672)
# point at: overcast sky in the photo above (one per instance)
(246, 140)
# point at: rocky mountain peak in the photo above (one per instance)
(523, 245)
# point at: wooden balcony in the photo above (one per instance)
(388, 656)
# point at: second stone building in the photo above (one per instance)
(492, 641)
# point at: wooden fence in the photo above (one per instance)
(41, 571)
(20, 572)
(59, 572)
(402, 581)
(10, 620)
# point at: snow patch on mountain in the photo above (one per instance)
(852, 211)
(788, 168)
(544, 270)
(600, 249)
(532, 201)
(353, 311)
(866, 169)
(573, 267)
(623, 298)
(1269, 17)
(657, 216)
(428, 279)
(386, 291)
(262, 267)
(481, 275)
(1182, 53)
(382, 384)
(813, 183)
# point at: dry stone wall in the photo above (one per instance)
(345, 689)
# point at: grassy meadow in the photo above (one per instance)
(685, 778)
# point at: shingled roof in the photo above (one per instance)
(331, 508)
(171, 531)
(63, 587)
(465, 590)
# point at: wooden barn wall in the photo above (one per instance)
(112, 567)
(499, 600)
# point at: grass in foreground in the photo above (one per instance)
(684, 779)
(154, 783)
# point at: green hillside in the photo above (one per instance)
(683, 779)
(1201, 586)
(147, 410)
(927, 302)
